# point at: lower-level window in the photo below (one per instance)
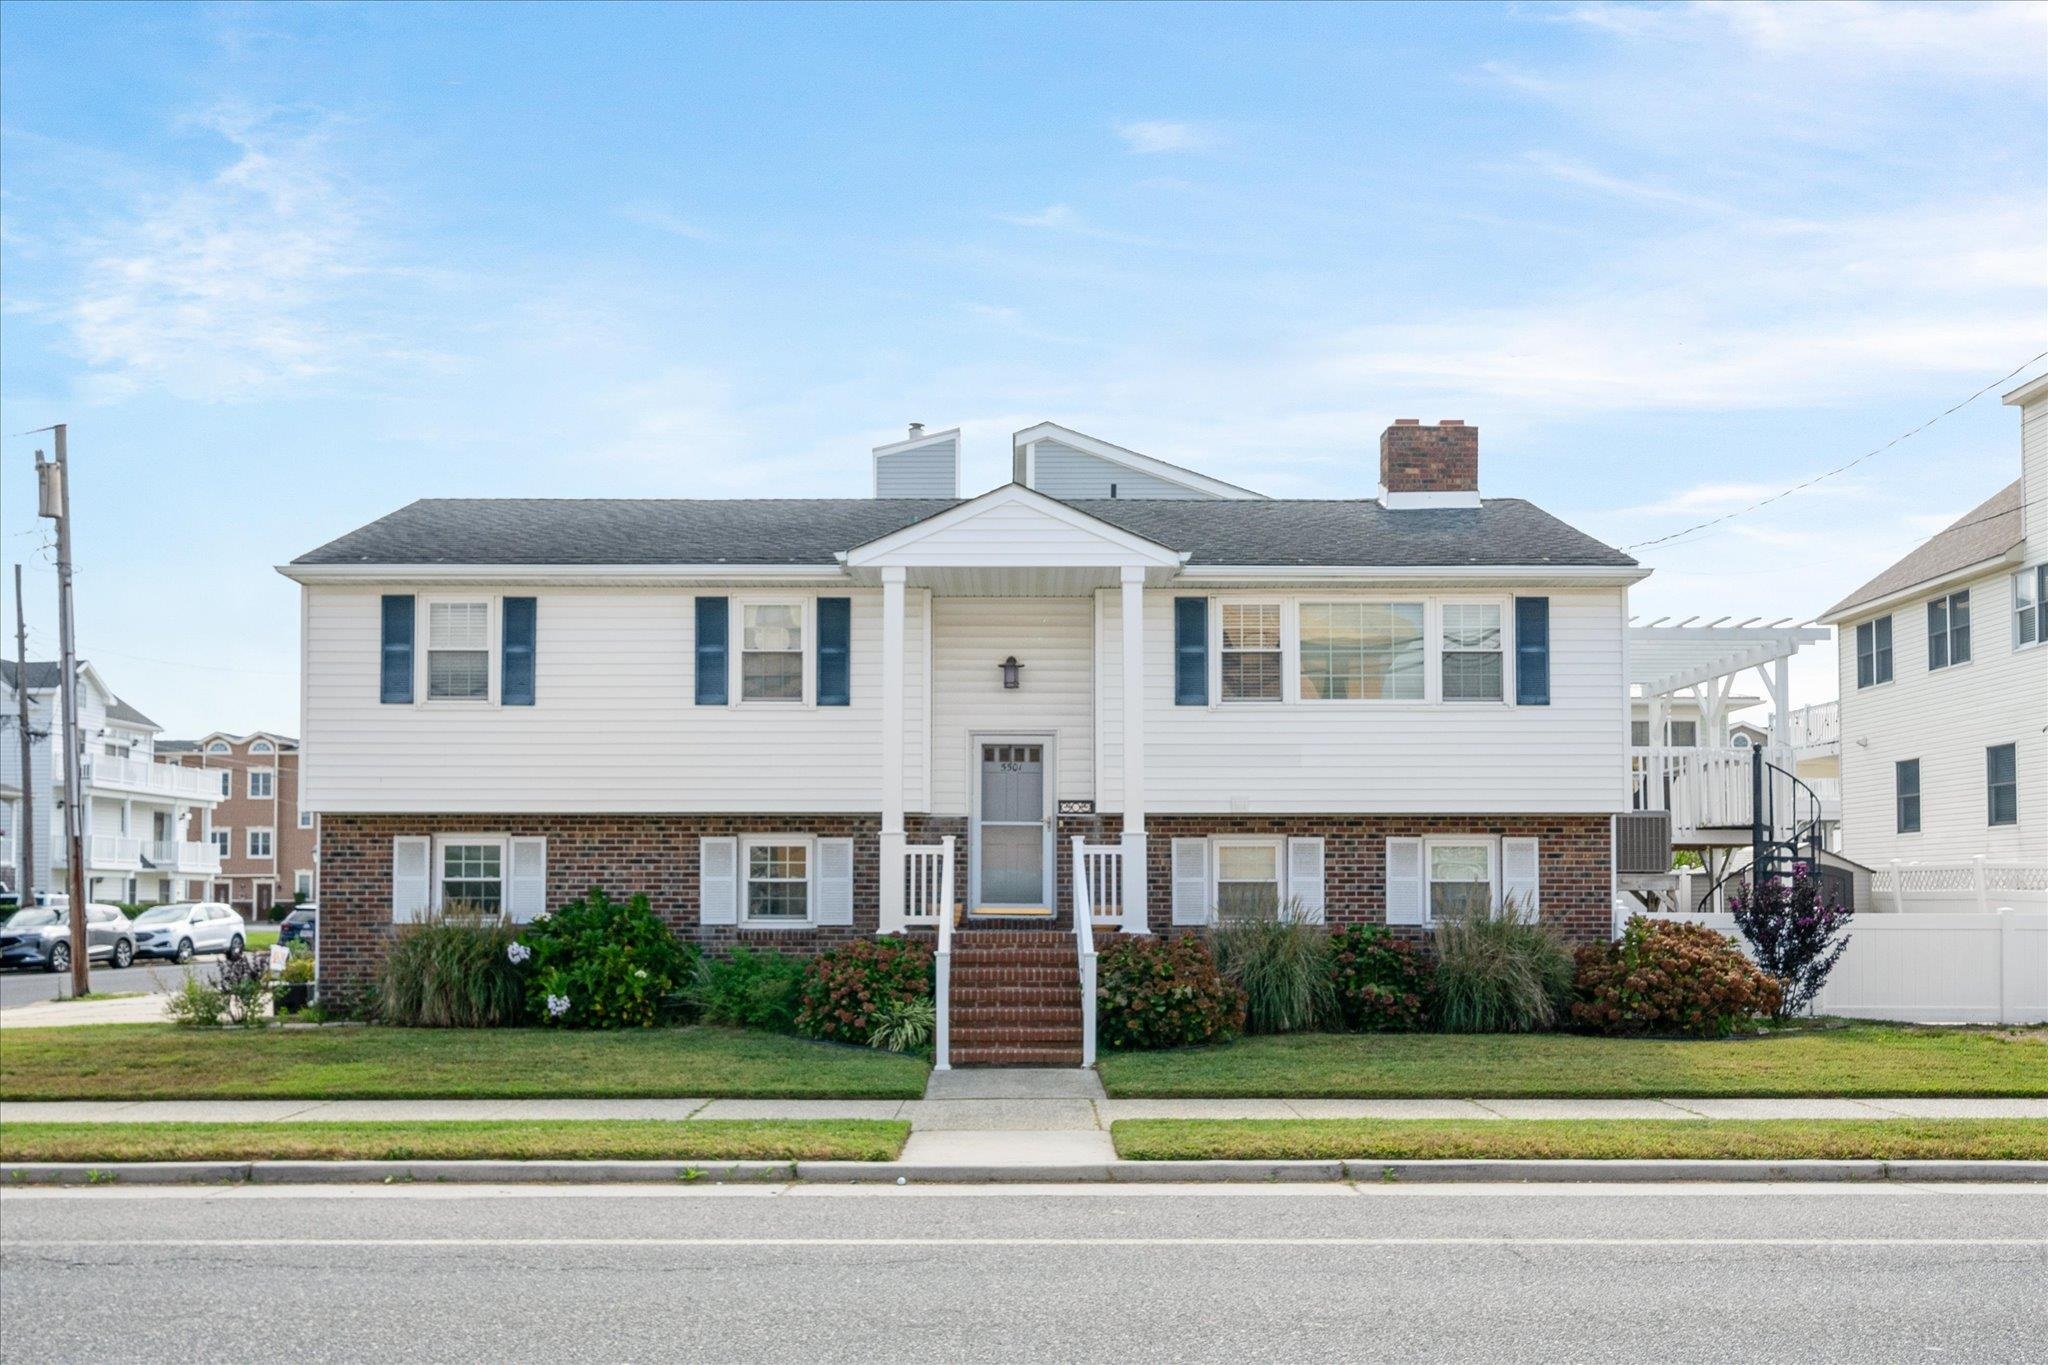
(2002, 783)
(1906, 794)
(220, 841)
(259, 843)
(778, 889)
(302, 882)
(472, 876)
(1247, 879)
(1461, 878)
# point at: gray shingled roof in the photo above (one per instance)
(1984, 532)
(44, 675)
(127, 715)
(741, 531)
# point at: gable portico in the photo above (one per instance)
(1011, 542)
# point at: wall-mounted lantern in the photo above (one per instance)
(1010, 667)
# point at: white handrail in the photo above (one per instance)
(942, 966)
(1084, 940)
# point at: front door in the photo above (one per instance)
(1009, 854)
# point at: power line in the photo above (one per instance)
(1840, 468)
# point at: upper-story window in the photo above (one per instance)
(258, 845)
(2030, 607)
(227, 781)
(1874, 652)
(1948, 630)
(771, 651)
(1472, 651)
(458, 651)
(1906, 795)
(219, 746)
(2002, 784)
(260, 784)
(220, 840)
(305, 819)
(1362, 651)
(1250, 651)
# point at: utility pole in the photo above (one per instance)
(54, 486)
(25, 834)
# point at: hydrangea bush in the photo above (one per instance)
(847, 989)
(1382, 983)
(1671, 977)
(1164, 992)
(599, 963)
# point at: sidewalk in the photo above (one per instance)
(128, 1009)
(1004, 1117)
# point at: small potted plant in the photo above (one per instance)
(295, 984)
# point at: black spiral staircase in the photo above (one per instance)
(1784, 827)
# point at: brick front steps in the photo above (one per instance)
(1016, 998)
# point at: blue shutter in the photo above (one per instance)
(515, 676)
(835, 651)
(711, 647)
(395, 674)
(1190, 651)
(1532, 651)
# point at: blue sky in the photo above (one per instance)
(284, 269)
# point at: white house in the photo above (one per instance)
(146, 822)
(789, 722)
(1944, 693)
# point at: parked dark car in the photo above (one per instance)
(40, 936)
(300, 926)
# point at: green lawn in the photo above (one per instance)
(1584, 1139)
(1861, 1059)
(159, 1061)
(258, 940)
(461, 1140)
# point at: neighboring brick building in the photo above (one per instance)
(270, 850)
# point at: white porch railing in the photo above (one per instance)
(928, 884)
(155, 779)
(7, 851)
(1086, 916)
(182, 855)
(1703, 788)
(1099, 871)
(103, 850)
(1978, 884)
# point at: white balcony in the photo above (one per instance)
(104, 852)
(183, 856)
(135, 776)
(1709, 792)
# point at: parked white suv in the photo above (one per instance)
(179, 931)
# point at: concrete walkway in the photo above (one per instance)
(128, 1009)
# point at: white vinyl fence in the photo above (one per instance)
(1973, 884)
(1941, 967)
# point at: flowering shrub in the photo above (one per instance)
(597, 963)
(1160, 992)
(1666, 976)
(1796, 936)
(750, 989)
(845, 988)
(1381, 982)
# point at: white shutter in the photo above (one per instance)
(718, 881)
(835, 881)
(1190, 881)
(1305, 878)
(412, 878)
(526, 890)
(1405, 882)
(1518, 878)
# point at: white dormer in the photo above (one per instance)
(925, 465)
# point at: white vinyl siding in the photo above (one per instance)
(1948, 719)
(925, 471)
(1053, 638)
(614, 727)
(1377, 757)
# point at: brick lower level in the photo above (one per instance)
(656, 855)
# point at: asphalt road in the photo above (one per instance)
(1260, 1273)
(152, 975)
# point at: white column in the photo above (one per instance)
(1781, 698)
(1133, 600)
(891, 868)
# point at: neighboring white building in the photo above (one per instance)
(1944, 683)
(146, 821)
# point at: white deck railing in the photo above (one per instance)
(1086, 915)
(154, 779)
(1708, 789)
(102, 850)
(182, 855)
(1099, 869)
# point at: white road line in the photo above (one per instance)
(244, 1243)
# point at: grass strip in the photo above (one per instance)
(161, 1061)
(1857, 1060)
(1581, 1139)
(462, 1140)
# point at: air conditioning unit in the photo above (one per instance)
(1642, 842)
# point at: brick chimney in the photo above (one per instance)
(1434, 466)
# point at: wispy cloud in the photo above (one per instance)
(661, 220)
(1152, 136)
(1064, 218)
(1586, 177)
(229, 285)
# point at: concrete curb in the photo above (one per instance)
(1101, 1172)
